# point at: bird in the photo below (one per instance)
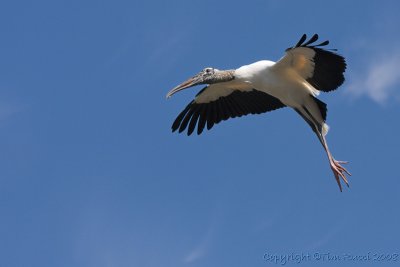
(294, 81)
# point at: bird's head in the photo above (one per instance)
(206, 76)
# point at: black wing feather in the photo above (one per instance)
(210, 116)
(328, 70)
(220, 113)
(180, 117)
(193, 121)
(186, 119)
(232, 106)
(301, 41)
(202, 119)
(236, 104)
(312, 40)
(226, 109)
(329, 67)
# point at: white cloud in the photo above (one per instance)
(195, 254)
(201, 249)
(205, 243)
(379, 80)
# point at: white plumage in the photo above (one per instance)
(294, 81)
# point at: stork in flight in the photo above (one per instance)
(294, 81)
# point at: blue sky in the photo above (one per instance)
(91, 175)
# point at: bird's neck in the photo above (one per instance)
(223, 76)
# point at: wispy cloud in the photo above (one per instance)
(379, 79)
(205, 243)
(198, 252)
(203, 246)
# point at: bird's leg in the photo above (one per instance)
(338, 170)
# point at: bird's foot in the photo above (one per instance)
(339, 172)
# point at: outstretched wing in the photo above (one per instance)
(322, 68)
(217, 102)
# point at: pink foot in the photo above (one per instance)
(339, 171)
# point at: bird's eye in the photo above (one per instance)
(208, 70)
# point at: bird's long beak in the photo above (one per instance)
(186, 84)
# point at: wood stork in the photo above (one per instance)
(294, 81)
